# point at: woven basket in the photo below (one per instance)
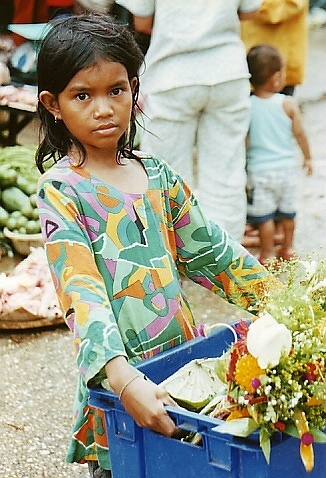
(22, 243)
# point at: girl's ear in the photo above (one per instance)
(50, 103)
(133, 84)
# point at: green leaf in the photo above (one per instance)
(265, 443)
(319, 436)
(254, 412)
(240, 427)
(291, 430)
(221, 366)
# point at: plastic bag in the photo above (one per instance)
(23, 63)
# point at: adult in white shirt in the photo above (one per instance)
(196, 97)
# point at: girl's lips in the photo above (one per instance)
(105, 129)
(105, 126)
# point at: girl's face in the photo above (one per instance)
(96, 106)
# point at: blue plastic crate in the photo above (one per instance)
(141, 453)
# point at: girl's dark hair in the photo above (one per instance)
(263, 61)
(71, 44)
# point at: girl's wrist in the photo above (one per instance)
(118, 372)
(129, 382)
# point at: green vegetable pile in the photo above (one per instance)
(18, 183)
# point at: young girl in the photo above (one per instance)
(271, 161)
(120, 227)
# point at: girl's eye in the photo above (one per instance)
(116, 91)
(82, 96)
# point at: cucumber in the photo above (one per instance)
(13, 199)
(8, 177)
(22, 156)
(18, 162)
(33, 200)
(3, 217)
(26, 186)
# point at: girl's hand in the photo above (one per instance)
(142, 399)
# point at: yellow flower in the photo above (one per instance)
(246, 370)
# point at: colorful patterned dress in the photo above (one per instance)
(117, 259)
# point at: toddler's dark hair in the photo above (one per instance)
(263, 61)
(73, 43)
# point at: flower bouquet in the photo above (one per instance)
(274, 372)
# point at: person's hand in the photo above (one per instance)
(144, 401)
(307, 166)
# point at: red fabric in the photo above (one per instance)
(29, 11)
(60, 3)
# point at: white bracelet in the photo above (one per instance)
(128, 383)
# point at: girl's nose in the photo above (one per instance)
(102, 107)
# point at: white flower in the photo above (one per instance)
(267, 339)
(318, 286)
(270, 415)
(310, 267)
(268, 388)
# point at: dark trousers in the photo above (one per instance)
(95, 471)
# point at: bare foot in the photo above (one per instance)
(286, 254)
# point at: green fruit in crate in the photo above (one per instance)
(18, 185)
(195, 384)
(33, 200)
(22, 221)
(26, 186)
(15, 214)
(3, 217)
(27, 211)
(33, 227)
(11, 223)
(15, 220)
(35, 214)
(8, 177)
(13, 199)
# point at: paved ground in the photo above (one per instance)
(311, 228)
(37, 370)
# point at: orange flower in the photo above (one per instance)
(238, 413)
(246, 370)
(314, 402)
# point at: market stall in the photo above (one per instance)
(27, 295)
(18, 90)
(18, 105)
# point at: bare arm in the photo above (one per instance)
(292, 110)
(143, 24)
(142, 399)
